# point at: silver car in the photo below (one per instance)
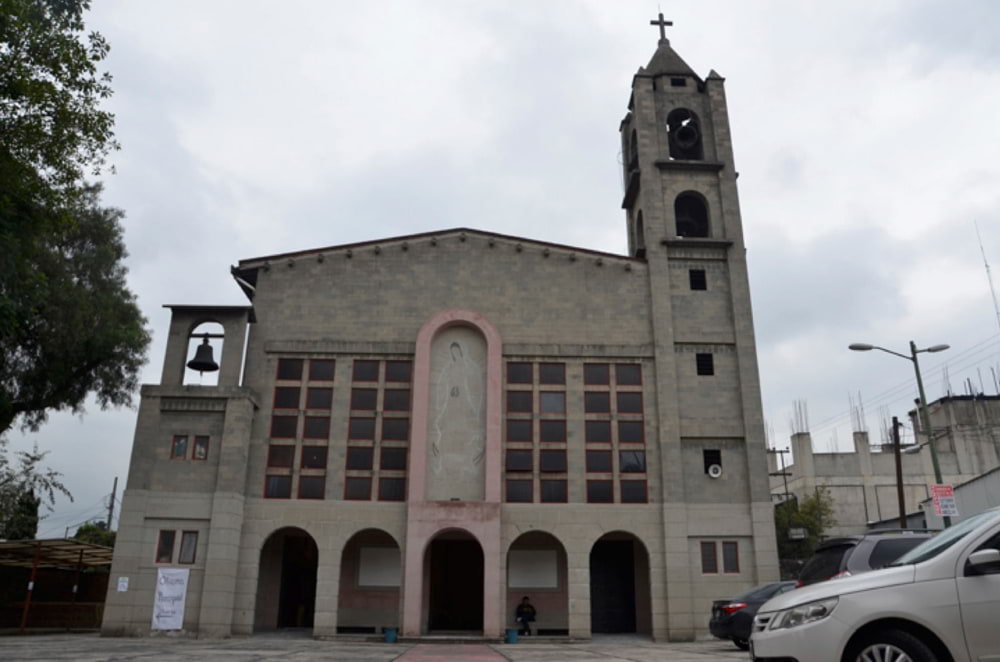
(939, 602)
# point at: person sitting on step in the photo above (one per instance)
(524, 615)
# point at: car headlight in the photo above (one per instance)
(807, 613)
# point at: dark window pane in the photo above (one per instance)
(552, 430)
(553, 491)
(711, 456)
(595, 373)
(632, 462)
(396, 400)
(165, 547)
(319, 398)
(290, 369)
(552, 461)
(314, 457)
(630, 432)
(392, 489)
(393, 458)
(359, 458)
(519, 373)
(286, 397)
(398, 371)
(200, 448)
(519, 491)
(280, 456)
(361, 428)
(321, 370)
(284, 427)
(278, 487)
(189, 546)
(597, 402)
(730, 557)
(365, 371)
(600, 491)
(179, 447)
(598, 431)
(519, 430)
(396, 429)
(633, 491)
(629, 403)
(519, 460)
(550, 402)
(628, 374)
(705, 364)
(599, 461)
(551, 373)
(312, 487)
(519, 401)
(697, 279)
(358, 489)
(887, 551)
(709, 563)
(364, 398)
(316, 427)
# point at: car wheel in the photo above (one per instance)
(742, 644)
(891, 646)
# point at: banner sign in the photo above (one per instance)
(171, 592)
(944, 501)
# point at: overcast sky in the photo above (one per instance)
(865, 134)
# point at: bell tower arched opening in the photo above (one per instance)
(691, 215)
(204, 350)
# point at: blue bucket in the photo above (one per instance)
(511, 637)
(389, 635)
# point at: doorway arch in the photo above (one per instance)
(454, 567)
(286, 581)
(620, 600)
(537, 569)
(370, 580)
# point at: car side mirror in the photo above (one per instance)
(982, 559)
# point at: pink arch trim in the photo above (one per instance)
(421, 400)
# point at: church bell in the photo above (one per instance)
(204, 360)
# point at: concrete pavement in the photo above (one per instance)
(292, 648)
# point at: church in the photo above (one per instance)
(416, 432)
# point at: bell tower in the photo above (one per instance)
(683, 219)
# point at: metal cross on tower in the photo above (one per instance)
(663, 25)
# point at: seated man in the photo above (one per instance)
(524, 615)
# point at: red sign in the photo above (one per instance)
(944, 500)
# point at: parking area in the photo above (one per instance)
(92, 648)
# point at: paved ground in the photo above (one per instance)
(91, 648)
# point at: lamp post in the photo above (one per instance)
(925, 419)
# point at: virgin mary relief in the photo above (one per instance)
(457, 421)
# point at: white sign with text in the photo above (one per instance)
(171, 592)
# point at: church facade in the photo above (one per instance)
(416, 432)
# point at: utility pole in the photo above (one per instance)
(111, 503)
(780, 452)
(899, 472)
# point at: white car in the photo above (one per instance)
(940, 602)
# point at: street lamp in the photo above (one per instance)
(925, 419)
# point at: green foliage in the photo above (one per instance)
(69, 326)
(24, 486)
(95, 534)
(50, 91)
(73, 325)
(814, 514)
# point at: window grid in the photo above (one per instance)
(614, 428)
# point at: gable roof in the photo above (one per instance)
(666, 61)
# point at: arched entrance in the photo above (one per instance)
(619, 585)
(536, 569)
(370, 578)
(454, 569)
(286, 581)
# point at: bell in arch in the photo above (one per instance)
(204, 360)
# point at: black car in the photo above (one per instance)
(851, 555)
(733, 619)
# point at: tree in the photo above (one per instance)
(23, 488)
(812, 516)
(96, 534)
(69, 326)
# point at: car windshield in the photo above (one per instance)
(942, 541)
(825, 563)
(761, 593)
